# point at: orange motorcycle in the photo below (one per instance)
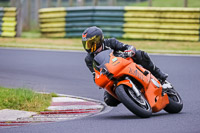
(133, 85)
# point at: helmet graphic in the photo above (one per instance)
(92, 39)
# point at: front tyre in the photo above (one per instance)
(137, 105)
(175, 102)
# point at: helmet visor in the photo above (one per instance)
(92, 44)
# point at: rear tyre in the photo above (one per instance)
(137, 105)
(175, 102)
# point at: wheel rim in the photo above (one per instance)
(140, 101)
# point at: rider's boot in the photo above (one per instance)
(159, 74)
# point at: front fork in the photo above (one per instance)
(129, 83)
(137, 92)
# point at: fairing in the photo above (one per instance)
(105, 64)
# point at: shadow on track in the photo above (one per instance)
(120, 117)
(167, 114)
(129, 117)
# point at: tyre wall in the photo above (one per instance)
(181, 24)
(8, 22)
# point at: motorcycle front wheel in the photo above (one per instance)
(136, 104)
(175, 102)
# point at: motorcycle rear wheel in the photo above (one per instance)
(137, 105)
(175, 102)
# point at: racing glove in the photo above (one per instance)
(130, 52)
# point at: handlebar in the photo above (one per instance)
(121, 54)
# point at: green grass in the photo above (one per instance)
(169, 3)
(24, 99)
(31, 34)
(4, 4)
(164, 47)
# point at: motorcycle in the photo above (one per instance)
(133, 85)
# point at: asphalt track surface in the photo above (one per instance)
(65, 72)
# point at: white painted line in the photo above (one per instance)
(176, 55)
(75, 107)
(66, 99)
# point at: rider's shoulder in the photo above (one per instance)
(110, 40)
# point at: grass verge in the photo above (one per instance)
(169, 3)
(163, 47)
(24, 99)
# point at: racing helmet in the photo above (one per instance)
(92, 39)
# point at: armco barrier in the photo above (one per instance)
(8, 22)
(123, 22)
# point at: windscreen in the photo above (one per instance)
(101, 59)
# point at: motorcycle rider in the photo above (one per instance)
(93, 42)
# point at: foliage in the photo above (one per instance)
(24, 99)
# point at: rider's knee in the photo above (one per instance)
(110, 100)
